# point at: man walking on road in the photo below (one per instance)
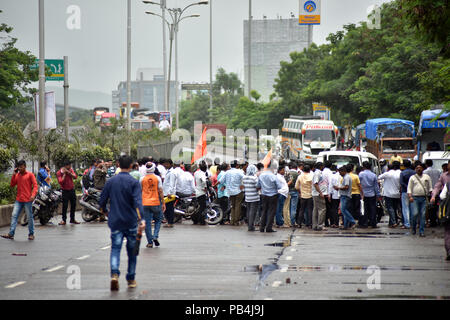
(65, 178)
(27, 189)
(419, 187)
(304, 186)
(125, 195)
(250, 181)
(391, 192)
(153, 203)
(405, 175)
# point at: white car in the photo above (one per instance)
(340, 158)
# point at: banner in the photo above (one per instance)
(309, 12)
(50, 110)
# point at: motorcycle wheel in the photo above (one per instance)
(45, 217)
(214, 214)
(87, 215)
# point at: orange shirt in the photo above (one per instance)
(151, 184)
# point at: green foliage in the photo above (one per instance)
(7, 194)
(15, 72)
(11, 138)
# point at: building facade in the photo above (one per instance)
(272, 40)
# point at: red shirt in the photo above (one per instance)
(25, 182)
(67, 182)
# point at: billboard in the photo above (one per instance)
(165, 121)
(322, 111)
(309, 12)
(50, 110)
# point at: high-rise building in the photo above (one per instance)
(147, 90)
(272, 40)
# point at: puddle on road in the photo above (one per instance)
(398, 296)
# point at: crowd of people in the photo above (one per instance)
(263, 196)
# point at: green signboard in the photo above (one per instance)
(56, 66)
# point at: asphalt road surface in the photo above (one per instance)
(227, 263)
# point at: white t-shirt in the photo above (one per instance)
(391, 184)
(200, 183)
(285, 188)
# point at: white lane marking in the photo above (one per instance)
(293, 250)
(105, 248)
(83, 257)
(268, 299)
(54, 269)
(276, 284)
(15, 284)
(289, 258)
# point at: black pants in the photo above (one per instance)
(356, 206)
(268, 211)
(199, 216)
(169, 212)
(224, 205)
(69, 195)
(370, 212)
(334, 212)
(305, 213)
(327, 212)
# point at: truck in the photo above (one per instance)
(97, 113)
(432, 134)
(386, 137)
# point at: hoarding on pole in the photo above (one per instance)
(50, 110)
(309, 12)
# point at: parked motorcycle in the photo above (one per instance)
(44, 206)
(186, 207)
(90, 204)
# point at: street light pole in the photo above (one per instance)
(249, 82)
(176, 67)
(210, 64)
(41, 79)
(129, 75)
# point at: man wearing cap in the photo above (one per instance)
(153, 203)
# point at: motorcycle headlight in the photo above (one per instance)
(43, 192)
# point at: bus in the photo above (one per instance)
(105, 119)
(304, 137)
(97, 112)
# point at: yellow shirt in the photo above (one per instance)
(355, 183)
(304, 184)
(397, 158)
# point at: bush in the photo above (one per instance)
(7, 194)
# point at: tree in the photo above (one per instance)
(15, 72)
(11, 139)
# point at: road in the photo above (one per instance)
(227, 263)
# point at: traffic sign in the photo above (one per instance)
(56, 67)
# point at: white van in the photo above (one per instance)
(340, 158)
(438, 157)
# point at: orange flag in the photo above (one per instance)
(267, 159)
(200, 150)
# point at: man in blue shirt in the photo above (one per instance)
(269, 185)
(406, 205)
(233, 181)
(125, 196)
(43, 177)
(371, 190)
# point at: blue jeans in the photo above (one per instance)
(346, 214)
(279, 215)
(116, 246)
(293, 208)
(406, 209)
(419, 207)
(152, 213)
(18, 206)
(392, 206)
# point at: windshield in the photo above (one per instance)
(340, 160)
(319, 135)
(398, 145)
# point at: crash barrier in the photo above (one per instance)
(157, 150)
(6, 212)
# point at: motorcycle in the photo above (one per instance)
(89, 203)
(44, 206)
(186, 207)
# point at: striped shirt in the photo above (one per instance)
(251, 193)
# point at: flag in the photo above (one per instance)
(200, 150)
(267, 159)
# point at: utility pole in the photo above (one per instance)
(166, 83)
(176, 12)
(41, 79)
(129, 75)
(210, 64)
(249, 48)
(66, 98)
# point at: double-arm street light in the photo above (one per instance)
(176, 15)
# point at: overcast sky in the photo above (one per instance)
(97, 51)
